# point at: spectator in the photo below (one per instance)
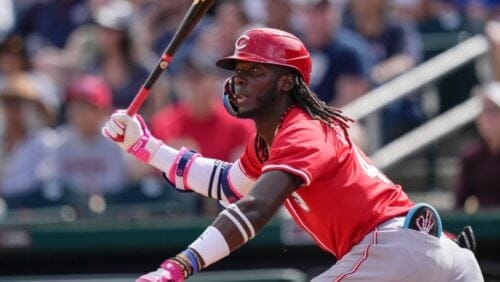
(217, 38)
(478, 12)
(13, 57)
(116, 62)
(439, 16)
(395, 49)
(279, 14)
(337, 75)
(492, 31)
(161, 24)
(116, 50)
(7, 17)
(393, 42)
(494, 8)
(15, 60)
(480, 160)
(255, 10)
(84, 160)
(443, 19)
(27, 139)
(105, 47)
(49, 23)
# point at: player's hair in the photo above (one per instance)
(305, 98)
(317, 108)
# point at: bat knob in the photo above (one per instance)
(118, 138)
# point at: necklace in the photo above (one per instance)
(261, 146)
(282, 118)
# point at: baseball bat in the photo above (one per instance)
(192, 17)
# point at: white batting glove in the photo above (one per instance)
(131, 134)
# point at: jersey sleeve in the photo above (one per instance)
(249, 162)
(307, 149)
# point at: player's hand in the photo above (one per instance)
(131, 134)
(168, 272)
(123, 129)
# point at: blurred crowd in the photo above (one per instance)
(65, 65)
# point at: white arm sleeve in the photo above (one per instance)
(188, 171)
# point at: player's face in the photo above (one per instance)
(255, 88)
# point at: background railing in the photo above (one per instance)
(426, 134)
(420, 77)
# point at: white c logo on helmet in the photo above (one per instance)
(242, 42)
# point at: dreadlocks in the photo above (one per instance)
(307, 100)
(317, 108)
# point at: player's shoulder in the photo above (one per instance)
(298, 118)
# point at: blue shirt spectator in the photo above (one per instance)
(51, 22)
(394, 51)
(338, 74)
(329, 64)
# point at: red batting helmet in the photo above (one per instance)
(270, 46)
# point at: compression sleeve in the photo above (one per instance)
(189, 171)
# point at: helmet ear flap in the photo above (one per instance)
(228, 97)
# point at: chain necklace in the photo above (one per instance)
(282, 118)
(261, 146)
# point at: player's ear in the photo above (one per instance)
(287, 82)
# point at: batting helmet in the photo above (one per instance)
(270, 46)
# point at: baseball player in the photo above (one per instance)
(301, 156)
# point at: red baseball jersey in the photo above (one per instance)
(343, 196)
(212, 136)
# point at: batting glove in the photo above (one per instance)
(131, 134)
(170, 271)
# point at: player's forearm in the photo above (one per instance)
(237, 224)
(189, 171)
(230, 230)
(179, 164)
